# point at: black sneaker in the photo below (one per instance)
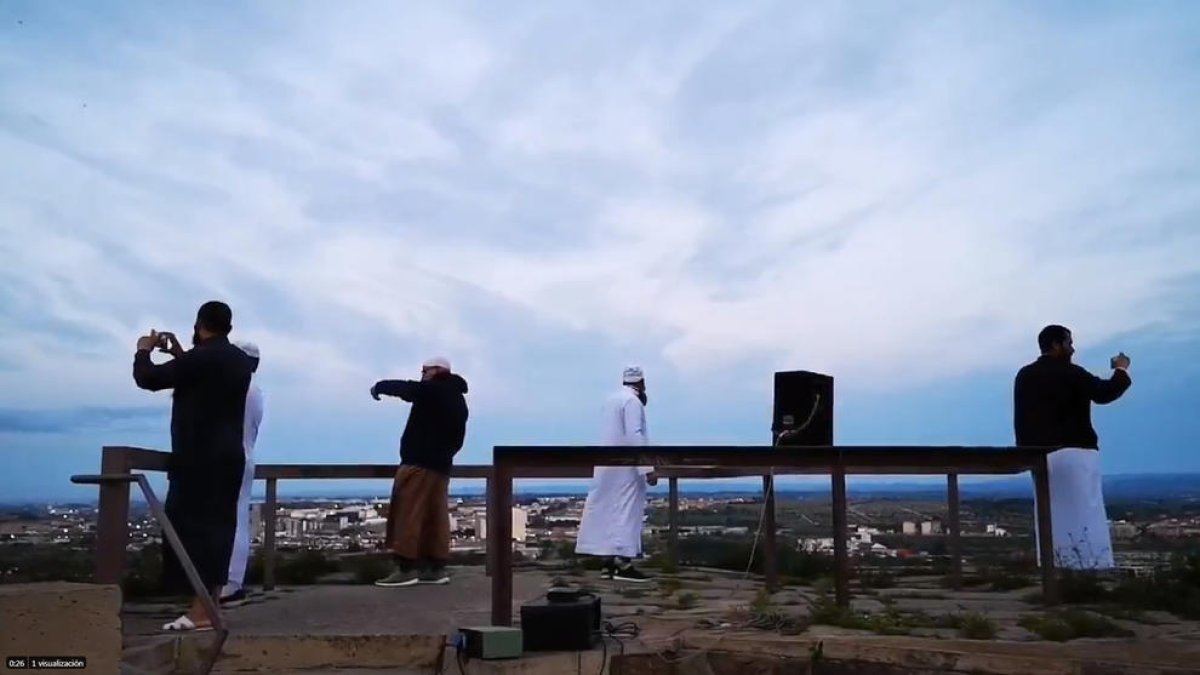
(437, 577)
(607, 571)
(630, 573)
(235, 599)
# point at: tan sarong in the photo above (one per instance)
(418, 527)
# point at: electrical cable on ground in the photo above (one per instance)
(615, 632)
(758, 620)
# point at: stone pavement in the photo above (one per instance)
(354, 609)
(695, 609)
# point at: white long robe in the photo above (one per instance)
(616, 503)
(241, 539)
(1078, 518)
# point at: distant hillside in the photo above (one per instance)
(1120, 487)
(1116, 488)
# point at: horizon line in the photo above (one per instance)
(738, 485)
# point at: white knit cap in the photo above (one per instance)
(632, 374)
(250, 348)
(437, 362)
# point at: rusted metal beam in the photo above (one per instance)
(673, 521)
(954, 533)
(140, 459)
(270, 525)
(499, 539)
(489, 560)
(862, 460)
(146, 459)
(672, 462)
(770, 541)
(388, 472)
(204, 594)
(351, 471)
(112, 527)
(1045, 532)
(841, 556)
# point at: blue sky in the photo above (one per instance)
(898, 194)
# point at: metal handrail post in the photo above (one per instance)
(160, 515)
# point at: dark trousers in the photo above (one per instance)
(201, 504)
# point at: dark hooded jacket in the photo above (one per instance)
(1052, 403)
(437, 422)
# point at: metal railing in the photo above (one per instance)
(672, 462)
(836, 461)
(185, 560)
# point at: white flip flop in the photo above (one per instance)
(184, 623)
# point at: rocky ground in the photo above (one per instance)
(693, 599)
(918, 606)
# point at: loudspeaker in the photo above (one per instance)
(803, 409)
(561, 625)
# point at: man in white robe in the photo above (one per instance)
(1052, 403)
(611, 525)
(233, 594)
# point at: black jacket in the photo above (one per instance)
(437, 422)
(1052, 403)
(209, 404)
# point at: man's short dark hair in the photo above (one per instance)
(1052, 335)
(216, 317)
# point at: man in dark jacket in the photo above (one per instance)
(205, 468)
(1052, 406)
(418, 527)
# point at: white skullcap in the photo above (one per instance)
(437, 362)
(632, 374)
(250, 348)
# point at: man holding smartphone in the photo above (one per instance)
(209, 384)
(1052, 406)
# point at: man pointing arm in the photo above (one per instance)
(418, 521)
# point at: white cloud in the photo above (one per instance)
(885, 198)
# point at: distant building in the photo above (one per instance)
(256, 522)
(817, 545)
(520, 524)
(909, 527)
(930, 527)
(1123, 530)
(520, 520)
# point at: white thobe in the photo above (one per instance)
(1078, 520)
(241, 539)
(616, 503)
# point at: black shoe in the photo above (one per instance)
(400, 579)
(630, 573)
(235, 599)
(437, 577)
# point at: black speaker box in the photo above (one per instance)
(803, 408)
(561, 626)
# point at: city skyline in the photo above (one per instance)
(1117, 487)
(899, 196)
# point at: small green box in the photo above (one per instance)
(491, 642)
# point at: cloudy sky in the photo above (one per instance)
(899, 194)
